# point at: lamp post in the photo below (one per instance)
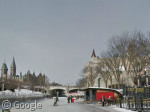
(147, 80)
(138, 80)
(121, 69)
(146, 77)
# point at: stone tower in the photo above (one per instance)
(94, 58)
(4, 70)
(13, 68)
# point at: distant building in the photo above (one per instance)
(14, 80)
(4, 70)
(93, 63)
(13, 68)
(32, 79)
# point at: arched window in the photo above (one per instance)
(99, 82)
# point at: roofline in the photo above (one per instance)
(101, 88)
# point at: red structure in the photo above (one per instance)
(95, 93)
(105, 94)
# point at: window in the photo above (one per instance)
(99, 82)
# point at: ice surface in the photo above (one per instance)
(78, 106)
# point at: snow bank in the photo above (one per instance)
(20, 93)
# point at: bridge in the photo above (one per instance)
(65, 90)
(48, 90)
(62, 90)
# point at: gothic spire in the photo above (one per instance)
(13, 64)
(13, 68)
(93, 54)
(4, 66)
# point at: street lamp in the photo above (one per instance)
(147, 80)
(146, 77)
(138, 80)
(121, 69)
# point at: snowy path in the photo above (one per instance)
(63, 106)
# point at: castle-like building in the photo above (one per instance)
(4, 70)
(91, 65)
(28, 78)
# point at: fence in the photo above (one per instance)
(135, 98)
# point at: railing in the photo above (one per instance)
(134, 104)
(135, 98)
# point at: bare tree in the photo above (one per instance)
(81, 82)
(139, 51)
(104, 73)
(91, 74)
(55, 84)
(47, 81)
(131, 51)
(112, 63)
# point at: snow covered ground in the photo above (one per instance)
(22, 93)
(115, 109)
(78, 106)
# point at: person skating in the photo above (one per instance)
(109, 100)
(68, 99)
(56, 99)
(103, 100)
(71, 98)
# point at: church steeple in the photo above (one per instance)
(13, 62)
(13, 67)
(93, 54)
(4, 70)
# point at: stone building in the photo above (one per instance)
(32, 79)
(4, 70)
(13, 68)
(143, 77)
(12, 80)
(93, 63)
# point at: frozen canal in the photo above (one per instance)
(63, 106)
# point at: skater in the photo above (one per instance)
(68, 99)
(71, 98)
(103, 100)
(56, 99)
(109, 100)
(115, 101)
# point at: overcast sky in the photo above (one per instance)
(56, 37)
